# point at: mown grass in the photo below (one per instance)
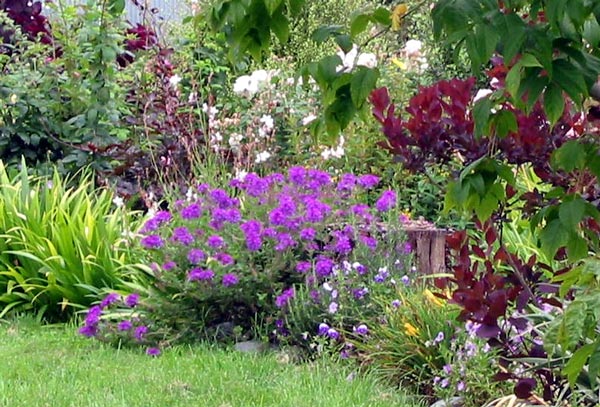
(51, 366)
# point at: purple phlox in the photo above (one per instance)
(386, 201)
(109, 300)
(215, 242)
(132, 300)
(192, 211)
(140, 332)
(303, 266)
(324, 266)
(284, 240)
(152, 242)
(196, 256)
(125, 325)
(284, 298)
(199, 274)
(182, 235)
(230, 279)
(368, 181)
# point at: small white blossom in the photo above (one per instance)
(412, 48)
(262, 157)
(174, 80)
(309, 119)
(482, 93)
(267, 121)
(347, 59)
(367, 59)
(118, 201)
(240, 175)
(245, 85)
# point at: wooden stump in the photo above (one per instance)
(429, 246)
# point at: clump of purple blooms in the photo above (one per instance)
(254, 246)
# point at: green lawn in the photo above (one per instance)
(51, 366)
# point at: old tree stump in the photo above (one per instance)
(429, 245)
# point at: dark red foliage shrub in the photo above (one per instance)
(28, 15)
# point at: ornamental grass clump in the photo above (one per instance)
(233, 263)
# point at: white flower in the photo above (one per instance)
(267, 122)
(412, 48)
(118, 201)
(210, 110)
(174, 80)
(235, 140)
(240, 175)
(309, 119)
(347, 59)
(367, 59)
(327, 286)
(245, 85)
(260, 75)
(482, 93)
(262, 157)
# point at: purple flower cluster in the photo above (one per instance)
(284, 298)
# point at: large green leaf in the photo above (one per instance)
(554, 103)
(363, 82)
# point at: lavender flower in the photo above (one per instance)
(285, 297)
(93, 315)
(89, 330)
(169, 265)
(361, 329)
(333, 334)
(132, 300)
(347, 182)
(368, 181)
(307, 234)
(333, 307)
(396, 303)
(229, 280)
(183, 236)
(196, 256)
(284, 240)
(215, 241)
(109, 300)
(152, 242)
(386, 201)
(324, 266)
(124, 325)
(192, 211)
(224, 258)
(153, 352)
(140, 331)
(303, 266)
(323, 328)
(199, 274)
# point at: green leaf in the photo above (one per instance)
(281, 28)
(116, 7)
(529, 60)
(345, 42)
(272, 5)
(532, 86)
(571, 213)
(481, 115)
(553, 237)
(577, 248)
(554, 103)
(322, 33)
(363, 82)
(570, 79)
(594, 362)
(295, 6)
(569, 156)
(382, 16)
(513, 42)
(359, 24)
(505, 122)
(486, 207)
(513, 80)
(575, 364)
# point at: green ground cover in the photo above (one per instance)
(52, 366)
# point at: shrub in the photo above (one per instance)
(60, 245)
(222, 261)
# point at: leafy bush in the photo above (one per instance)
(60, 245)
(222, 261)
